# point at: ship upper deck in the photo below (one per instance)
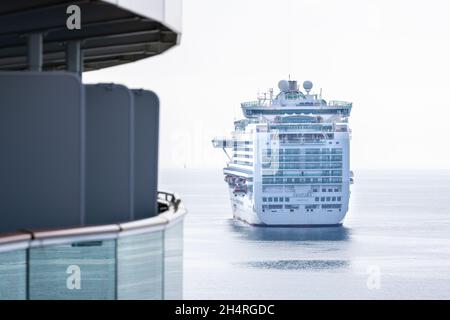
(290, 100)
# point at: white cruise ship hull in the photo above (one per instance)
(244, 210)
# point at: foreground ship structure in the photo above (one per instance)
(81, 216)
(289, 161)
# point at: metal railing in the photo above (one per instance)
(170, 198)
(339, 104)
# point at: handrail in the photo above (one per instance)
(331, 103)
(79, 231)
(172, 198)
(143, 223)
(7, 238)
(173, 207)
(338, 103)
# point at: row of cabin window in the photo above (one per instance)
(246, 156)
(301, 158)
(316, 173)
(275, 199)
(322, 199)
(278, 166)
(309, 208)
(244, 163)
(286, 199)
(300, 180)
(302, 151)
(240, 143)
(329, 189)
(242, 149)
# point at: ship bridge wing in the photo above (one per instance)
(252, 111)
(220, 142)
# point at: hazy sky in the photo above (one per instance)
(389, 57)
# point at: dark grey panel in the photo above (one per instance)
(111, 35)
(146, 108)
(41, 143)
(109, 154)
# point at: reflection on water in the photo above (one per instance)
(297, 264)
(255, 233)
(291, 234)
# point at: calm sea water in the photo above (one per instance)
(395, 243)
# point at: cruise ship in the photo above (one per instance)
(289, 163)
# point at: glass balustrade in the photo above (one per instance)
(76, 270)
(140, 266)
(13, 275)
(137, 260)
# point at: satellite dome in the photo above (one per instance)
(307, 85)
(283, 85)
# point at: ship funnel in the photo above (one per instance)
(293, 85)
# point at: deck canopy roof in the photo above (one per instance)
(113, 32)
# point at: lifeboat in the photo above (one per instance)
(231, 180)
(240, 190)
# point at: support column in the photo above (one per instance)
(35, 51)
(74, 57)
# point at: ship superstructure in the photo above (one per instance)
(289, 160)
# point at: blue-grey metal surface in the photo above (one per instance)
(41, 143)
(109, 154)
(146, 137)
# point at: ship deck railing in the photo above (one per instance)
(330, 104)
